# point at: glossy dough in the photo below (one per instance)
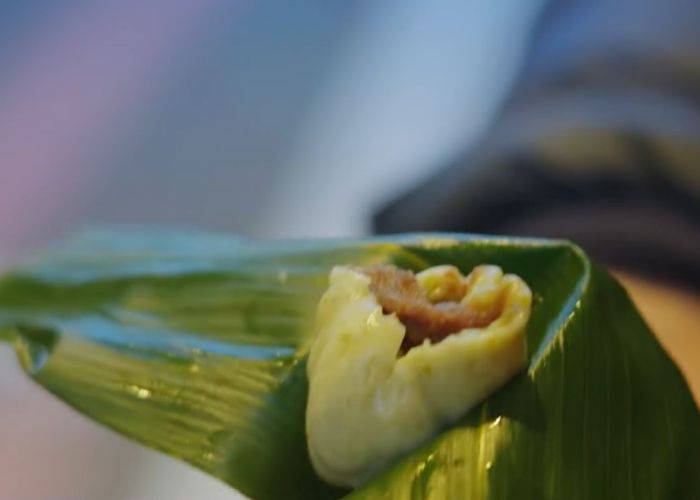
(367, 405)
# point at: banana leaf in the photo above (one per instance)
(195, 344)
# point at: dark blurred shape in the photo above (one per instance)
(599, 143)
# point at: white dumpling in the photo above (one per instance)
(367, 403)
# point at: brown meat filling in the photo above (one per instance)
(398, 292)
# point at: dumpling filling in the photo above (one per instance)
(398, 355)
(399, 291)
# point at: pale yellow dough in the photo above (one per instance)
(367, 405)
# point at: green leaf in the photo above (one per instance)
(195, 344)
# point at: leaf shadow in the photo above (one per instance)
(518, 401)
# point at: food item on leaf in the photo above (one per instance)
(399, 355)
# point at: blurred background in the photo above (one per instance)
(310, 118)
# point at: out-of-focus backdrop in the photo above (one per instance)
(256, 117)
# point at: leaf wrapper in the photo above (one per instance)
(195, 344)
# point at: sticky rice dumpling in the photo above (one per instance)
(398, 355)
